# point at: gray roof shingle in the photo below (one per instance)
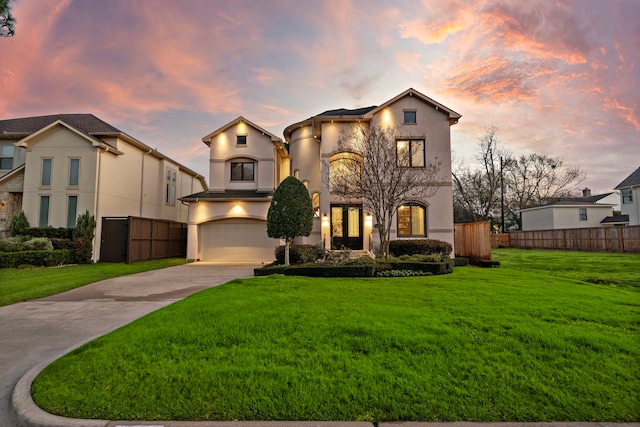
(632, 180)
(87, 123)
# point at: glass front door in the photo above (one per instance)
(346, 227)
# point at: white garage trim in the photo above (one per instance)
(237, 240)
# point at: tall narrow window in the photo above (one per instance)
(43, 221)
(170, 195)
(6, 157)
(46, 172)
(72, 211)
(315, 204)
(74, 172)
(627, 196)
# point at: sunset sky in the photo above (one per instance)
(556, 77)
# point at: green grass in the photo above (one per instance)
(616, 269)
(17, 285)
(477, 345)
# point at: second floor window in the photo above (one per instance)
(242, 171)
(410, 117)
(74, 171)
(170, 198)
(241, 140)
(627, 196)
(583, 214)
(6, 157)
(46, 172)
(410, 153)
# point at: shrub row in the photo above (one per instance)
(50, 232)
(419, 246)
(367, 270)
(37, 258)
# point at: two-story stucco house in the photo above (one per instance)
(630, 197)
(59, 166)
(227, 223)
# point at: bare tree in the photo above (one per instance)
(502, 182)
(376, 166)
(477, 191)
(536, 179)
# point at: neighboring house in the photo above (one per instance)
(56, 167)
(630, 197)
(228, 222)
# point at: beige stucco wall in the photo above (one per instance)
(60, 145)
(432, 126)
(259, 148)
(132, 183)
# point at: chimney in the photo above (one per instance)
(586, 193)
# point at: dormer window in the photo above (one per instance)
(241, 140)
(242, 171)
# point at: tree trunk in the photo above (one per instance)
(286, 251)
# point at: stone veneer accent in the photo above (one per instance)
(10, 201)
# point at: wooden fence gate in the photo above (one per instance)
(134, 239)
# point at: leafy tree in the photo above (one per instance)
(371, 169)
(290, 214)
(7, 21)
(19, 225)
(83, 235)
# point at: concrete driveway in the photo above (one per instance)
(37, 331)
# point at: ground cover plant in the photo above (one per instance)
(17, 285)
(476, 345)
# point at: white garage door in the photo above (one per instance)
(237, 240)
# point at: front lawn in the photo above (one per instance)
(17, 285)
(476, 345)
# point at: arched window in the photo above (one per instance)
(412, 220)
(344, 171)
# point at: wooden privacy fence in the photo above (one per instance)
(473, 240)
(134, 239)
(598, 239)
(500, 240)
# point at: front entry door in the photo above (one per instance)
(346, 227)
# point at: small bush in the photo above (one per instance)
(460, 261)
(419, 247)
(299, 254)
(62, 243)
(38, 244)
(83, 249)
(19, 225)
(12, 244)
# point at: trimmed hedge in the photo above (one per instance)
(434, 268)
(37, 258)
(419, 247)
(460, 261)
(50, 232)
(299, 254)
(444, 267)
